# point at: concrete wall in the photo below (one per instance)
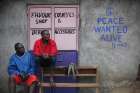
(118, 66)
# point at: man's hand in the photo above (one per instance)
(15, 74)
(45, 56)
(23, 75)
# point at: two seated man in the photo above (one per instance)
(22, 65)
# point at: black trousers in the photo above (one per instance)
(46, 62)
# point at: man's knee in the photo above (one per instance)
(31, 79)
(15, 79)
(11, 81)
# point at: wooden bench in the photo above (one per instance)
(82, 72)
(136, 84)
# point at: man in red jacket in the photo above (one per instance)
(45, 50)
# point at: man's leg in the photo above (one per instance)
(51, 67)
(33, 88)
(12, 83)
(26, 88)
(31, 82)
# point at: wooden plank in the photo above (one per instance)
(78, 75)
(87, 67)
(97, 79)
(97, 74)
(86, 75)
(80, 85)
(138, 74)
(82, 71)
(87, 71)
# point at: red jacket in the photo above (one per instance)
(40, 48)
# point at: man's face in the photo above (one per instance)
(45, 36)
(20, 50)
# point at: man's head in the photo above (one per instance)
(19, 48)
(45, 35)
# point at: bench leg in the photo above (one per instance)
(97, 90)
